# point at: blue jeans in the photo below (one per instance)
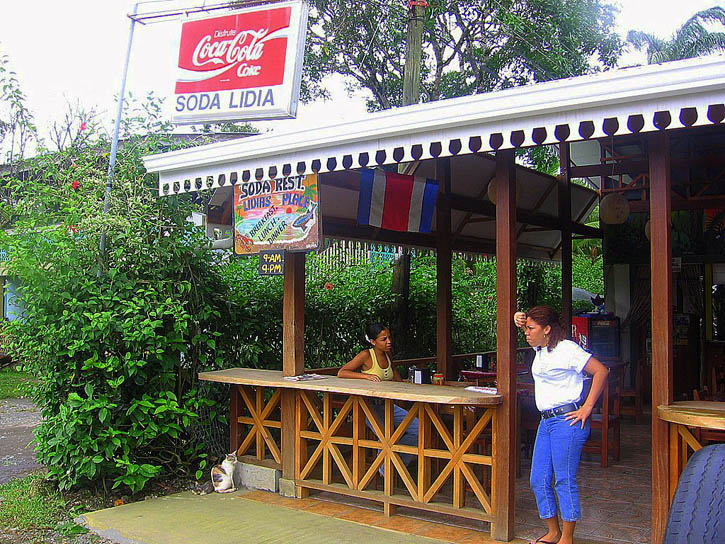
(410, 438)
(557, 451)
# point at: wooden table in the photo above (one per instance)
(705, 414)
(335, 449)
(681, 416)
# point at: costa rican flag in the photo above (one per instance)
(395, 201)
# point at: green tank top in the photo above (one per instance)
(385, 374)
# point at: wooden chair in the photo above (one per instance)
(635, 409)
(607, 419)
(717, 382)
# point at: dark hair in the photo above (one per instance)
(545, 315)
(372, 331)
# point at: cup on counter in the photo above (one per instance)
(438, 379)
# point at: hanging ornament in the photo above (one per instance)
(614, 209)
(491, 191)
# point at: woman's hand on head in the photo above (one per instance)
(520, 319)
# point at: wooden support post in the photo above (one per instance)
(564, 194)
(259, 406)
(293, 347)
(300, 449)
(444, 353)
(358, 434)
(661, 287)
(504, 435)
(234, 402)
(293, 315)
(388, 484)
(459, 485)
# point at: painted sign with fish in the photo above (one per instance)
(280, 213)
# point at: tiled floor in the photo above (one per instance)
(615, 503)
(323, 505)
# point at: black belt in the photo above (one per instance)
(560, 410)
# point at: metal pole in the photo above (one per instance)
(116, 129)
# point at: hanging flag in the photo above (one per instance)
(396, 202)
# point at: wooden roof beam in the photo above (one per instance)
(481, 207)
(642, 166)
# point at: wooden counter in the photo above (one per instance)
(433, 394)
(439, 454)
(708, 415)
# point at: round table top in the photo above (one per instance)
(705, 414)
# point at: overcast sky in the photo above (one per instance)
(74, 51)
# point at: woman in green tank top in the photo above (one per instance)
(376, 365)
(373, 364)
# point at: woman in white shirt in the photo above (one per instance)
(558, 370)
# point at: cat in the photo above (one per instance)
(202, 488)
(222, 476)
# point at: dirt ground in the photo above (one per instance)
(18, 417)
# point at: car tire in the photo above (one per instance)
(697, 513)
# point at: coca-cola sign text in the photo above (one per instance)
(226, 61)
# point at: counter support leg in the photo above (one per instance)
(233, 418)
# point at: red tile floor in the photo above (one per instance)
(615, 502)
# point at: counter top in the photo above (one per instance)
(705, 414)
(436, 394)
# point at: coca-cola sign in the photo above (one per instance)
(243, 65)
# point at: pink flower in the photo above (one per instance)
(328, 285)
(83, 126)
(75, 185)
(72, 228)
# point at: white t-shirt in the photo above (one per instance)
(558, 374)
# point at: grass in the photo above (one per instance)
(15, 383)
(31, 503)
(30, 507)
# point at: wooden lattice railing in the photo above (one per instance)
(256, 423)
(336, 451)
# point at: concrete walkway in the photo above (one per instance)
(260, 517)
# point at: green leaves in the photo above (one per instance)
(469, 46)
(114, 352)
(696, 37)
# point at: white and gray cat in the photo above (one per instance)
(222, 477)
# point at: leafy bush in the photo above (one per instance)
(116, 339)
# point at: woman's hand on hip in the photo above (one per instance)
(372, 377)
(582, 414)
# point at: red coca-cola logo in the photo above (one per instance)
(234, 51)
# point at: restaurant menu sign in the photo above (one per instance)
(239, 66)
(281, 213)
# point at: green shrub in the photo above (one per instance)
(116, 339)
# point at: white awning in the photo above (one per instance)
(633, 100)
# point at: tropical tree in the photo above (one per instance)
(469, 46)
(17, 126)
(692, 39)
